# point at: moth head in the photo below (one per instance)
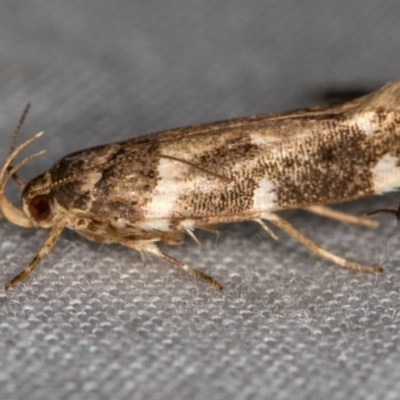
(36, 208)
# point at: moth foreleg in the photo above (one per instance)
(296, 234)
(46, 248)
(342, 216)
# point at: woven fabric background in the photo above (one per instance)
(92, 322)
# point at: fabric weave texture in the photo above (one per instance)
(92, 322)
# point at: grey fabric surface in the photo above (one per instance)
(92, 322)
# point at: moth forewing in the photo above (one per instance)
(159, 187)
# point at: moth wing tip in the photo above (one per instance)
(387, 97)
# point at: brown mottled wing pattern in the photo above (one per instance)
(269, 162)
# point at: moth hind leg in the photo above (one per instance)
(342, 216)
(306, 241)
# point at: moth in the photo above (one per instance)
(157, 188)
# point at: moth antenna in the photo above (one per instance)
(17, 167)
(72, 177)
(222, 177)
(17, 150)
(19, 127)
(10, 212)
(14, 140)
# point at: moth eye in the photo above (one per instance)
(39, 207)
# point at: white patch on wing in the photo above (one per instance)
(88, 181)
(366, 122)
(187, 224)
(119, 223)
(262, 139)
(386, 174)
(171, 176)
(154, 225)
(264, 197)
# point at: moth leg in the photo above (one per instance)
(208, 228)
(395, 212)
(342, 216)
(194, 237)
(142, 256)
(47, 247)
(155, 250)
(267, 228)
(152, 248)
(296, 234)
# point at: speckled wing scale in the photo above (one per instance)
(158, 187)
